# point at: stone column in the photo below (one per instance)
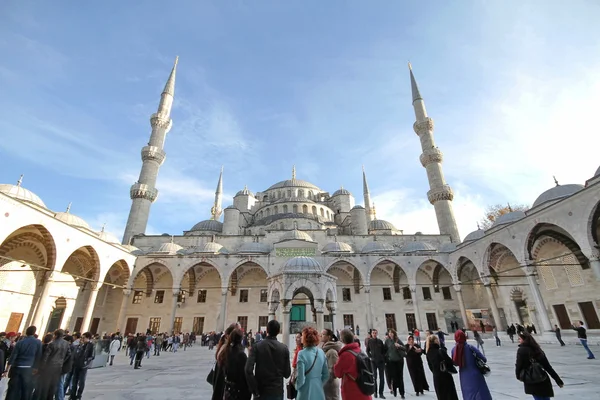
(461, 305)
(320, 316)
(285, 330)
(332, 310)
(413, 290)
(38, 315)
(369, 312)
(123, 311)
(173, 310)
(272, 310)
(223, 313)
(494, 305)
(542, 313)
(595, 265)
(89, 309)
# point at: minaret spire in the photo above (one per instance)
(20, 181)
(69, 208)
(293, 172)
(367, 197)
(143, 193)
(440, 193)
(217, 209)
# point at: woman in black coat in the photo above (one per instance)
(442, 381)
(414, 363)
(529, 350)
(218, 381)
(233, 360)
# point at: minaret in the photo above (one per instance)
(217, 209)
(369, 211)
(143, 193)
(439, 194)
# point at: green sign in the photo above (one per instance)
(295, 252)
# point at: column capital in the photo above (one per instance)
(528, 268)
(332, 306)
(457, 287)
(367, 289)
(224, 291)
(273, 306)
(127, 292)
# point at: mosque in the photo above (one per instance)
(300, 254)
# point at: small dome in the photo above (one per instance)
(413, 247)
(20, 193)
(337, 247)
(132, 249)
(168, 248)
(302, 264)
(378, 247)
(297, 235)
(253, 247)
(209, 225)
(107, 237)
(379, 224)
(508, 218)
(447, 248)
(556, 193)
(71, 219)
(244, 192)
(341, 191)
(475, 235)
(358, 207)
(210, 247)
(294, 183)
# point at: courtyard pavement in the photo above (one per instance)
(183, 375)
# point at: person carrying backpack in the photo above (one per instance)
(357, 383)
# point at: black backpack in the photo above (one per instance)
(365, 379)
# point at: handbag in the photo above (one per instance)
(446, 364)
(291, 390)
(533, 374)
(210, 378)
(481, 365)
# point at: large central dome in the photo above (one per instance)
(294, 183)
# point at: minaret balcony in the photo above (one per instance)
(153, 153)
(433, 155)
(158, 120)
(443, 192)
(143, 191)
(422, 127)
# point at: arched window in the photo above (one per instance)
(281, 226)
(260, 215)
(327, 214)
(310, 194)
(301, 193)
(267, 212)
(314, 210)
(309, 225)
(285, 209)
(305, 209)
(279, 195)
(322, 213)
(295, 208)
(275, 210)
(289, 193)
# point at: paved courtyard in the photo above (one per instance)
(182, 375)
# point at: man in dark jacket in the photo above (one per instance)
(376, 352)
(23, 362)
(582, 335)
(267, 365)
(82, 359)
(56, 353)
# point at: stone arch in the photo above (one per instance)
(242, 269)
(393, 270)
(151, 272)
(117, 274)
(435, 270)
(352, 272)
(542, 230)
(517, 294)
(593, 226)
(496, 256)
(275, 291)
(33, 243)
(306, 286)
(192, 275)
(83, 264)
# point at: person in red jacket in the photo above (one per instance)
(345, 368)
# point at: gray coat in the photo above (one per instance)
(332, 386)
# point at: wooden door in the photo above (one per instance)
(78, 324)
(55, 319)
(14, 322)
(590, 317)
(94, 326)
(131, 326)
(562, 315)
(431, 321)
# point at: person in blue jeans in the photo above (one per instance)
(82, 359)
(22, 364)
(582, 335)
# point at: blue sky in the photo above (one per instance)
(513, 88)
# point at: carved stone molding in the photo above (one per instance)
(161, 121)
(422, 127)
(431, 156)
(440, 193)
(457, 287)
(143, 191)
(153, 153)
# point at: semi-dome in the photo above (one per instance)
(107, 237)
(168, 248)
(20, 193)
(210, 247)
(295, 234)
(244, 192)
(302, 264)
(378, 247)
(71, 219)
(413, 247)
(209, 225)
(447, 247)
(556, 193)
(475, 235)
(337, 247)
(379, 224)
(254, 247)
(294, 183)
(341, 191)
(508, 218)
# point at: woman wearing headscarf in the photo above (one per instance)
(529, 350)
(414, 363)
(443, 381)
(472, 381)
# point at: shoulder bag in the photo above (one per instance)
(446, 363)
(480, 364)
(291, 390)
(533, 374)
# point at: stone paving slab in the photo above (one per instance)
(182, 375)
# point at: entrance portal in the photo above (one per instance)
(57, 314)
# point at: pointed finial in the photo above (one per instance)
(170, 85)
(103, 227)
(20, 181)
(176, 59)
(341, 187)
(172, 239)
(294, 172)
(69, 208)
(416, 94)
(409, 66)
(478, 227)
(222, 166)
(555, 180)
